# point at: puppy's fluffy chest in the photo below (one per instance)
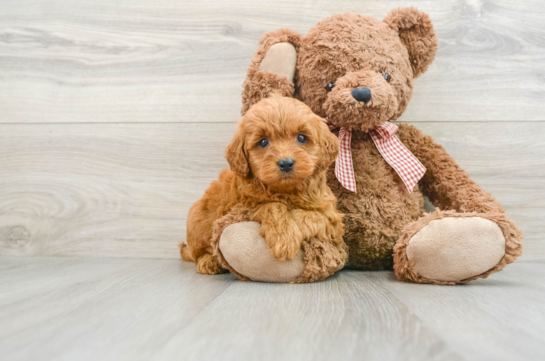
(313, 195)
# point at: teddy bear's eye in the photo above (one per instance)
(329, 86)
(386, 77)
(302, 138)
(263, 143)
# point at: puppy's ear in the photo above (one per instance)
(272, 67)
(236, 155)
(417, 34)
(329, 144)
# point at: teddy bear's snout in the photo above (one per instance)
(362, 99)
(362, 94)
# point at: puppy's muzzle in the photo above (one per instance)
(286, 164)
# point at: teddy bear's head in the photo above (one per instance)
(356, 70)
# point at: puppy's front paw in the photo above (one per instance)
(279, 229)
(283, 243)
(285, 249)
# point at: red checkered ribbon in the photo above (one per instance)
(407, 166)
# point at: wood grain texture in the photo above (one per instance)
(66, 61)
(128, 309)
(123, 190)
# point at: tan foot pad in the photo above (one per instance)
(247, 252)
(281, 60)
(456, 248)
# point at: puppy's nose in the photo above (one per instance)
(362, 94)
(286, 164)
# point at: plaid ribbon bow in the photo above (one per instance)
(406, 165)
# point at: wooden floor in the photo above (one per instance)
(138, 309)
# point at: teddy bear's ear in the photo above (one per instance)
(272, 67)
(236, 155)
(417, 33)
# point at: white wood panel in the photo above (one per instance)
(124, 190)
(184, 61)
(127, 309)
(114, 189)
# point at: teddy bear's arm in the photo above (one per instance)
(445, 183)
(469, 227)
(272, 68)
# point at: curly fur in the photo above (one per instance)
(295, 209)
(353, 51)
(417, 34)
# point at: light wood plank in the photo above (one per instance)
(184, 61)
(94, 189)
(123, 190)
(86, 308)
(123, 309)
(490, 307)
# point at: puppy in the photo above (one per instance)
(278, 159)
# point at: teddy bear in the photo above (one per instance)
(357, 72)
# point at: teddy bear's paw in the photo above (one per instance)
(248, 254)
(281, 60)
(454, 250)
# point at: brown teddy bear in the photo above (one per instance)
(358, 72)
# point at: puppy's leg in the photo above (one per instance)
(279, 230)
(208, 264)
(198, 248)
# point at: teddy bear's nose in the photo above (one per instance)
(286, 164)
(362, 94)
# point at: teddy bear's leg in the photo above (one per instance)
(240, 248)
(446, 247)
(471, 239)
(247, 253)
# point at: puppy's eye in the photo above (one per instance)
(329, 86)
(386, 77)
(263, 143)
(302, 138)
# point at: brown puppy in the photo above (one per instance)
(278, 159)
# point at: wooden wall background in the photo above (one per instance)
(114, 114)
